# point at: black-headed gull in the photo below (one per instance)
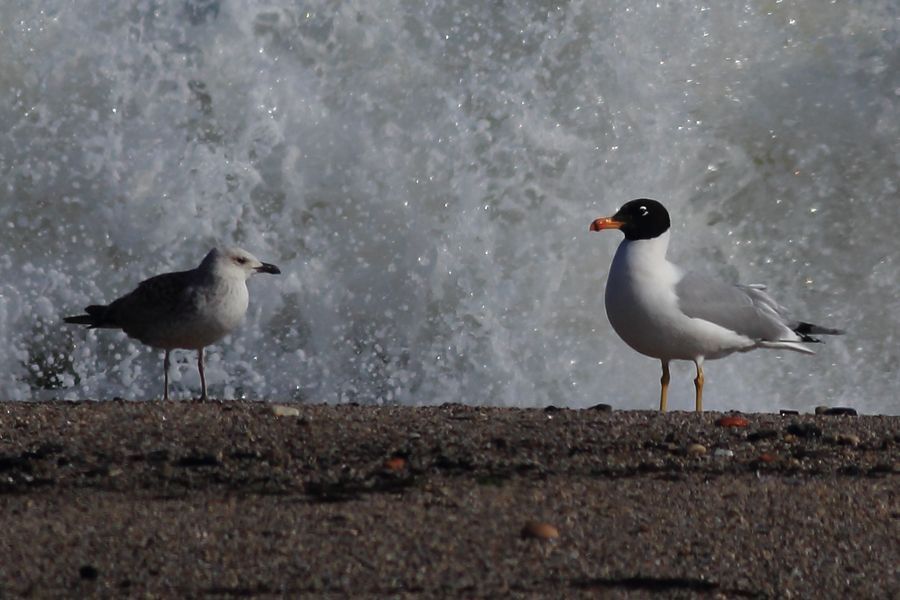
(669, 314)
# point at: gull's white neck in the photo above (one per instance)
(640, 275)
(639, 256)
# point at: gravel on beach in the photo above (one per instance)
(249, 499)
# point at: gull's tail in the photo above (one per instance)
(96, 317)
(806, 331)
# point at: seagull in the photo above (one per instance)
(186, 309)
(666, 313)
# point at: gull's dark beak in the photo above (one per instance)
(606, 223)
(268, 268)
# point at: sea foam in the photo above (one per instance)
(425, 174)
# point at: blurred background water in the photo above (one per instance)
(424, 173)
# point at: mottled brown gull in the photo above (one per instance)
(186, 309)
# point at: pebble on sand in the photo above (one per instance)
(804, 430)
(836, 411)
(847, 439)
(395, 463)
(539, 530)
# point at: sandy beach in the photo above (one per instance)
(241, 499)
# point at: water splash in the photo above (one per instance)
(425, 175)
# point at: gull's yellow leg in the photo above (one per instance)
(664, 386)
(698, 385)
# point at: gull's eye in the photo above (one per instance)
(240, 260)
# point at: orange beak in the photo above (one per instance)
(606, 223)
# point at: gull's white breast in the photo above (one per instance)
(643, 308)
(216, 310)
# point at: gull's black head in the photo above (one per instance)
(641, 219)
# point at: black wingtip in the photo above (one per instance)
(807, 330)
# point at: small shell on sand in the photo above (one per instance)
(279, 410)
(696, 450)
(732, 421)
(539, 530)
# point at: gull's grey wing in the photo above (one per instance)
(154, 299)
(748, 310)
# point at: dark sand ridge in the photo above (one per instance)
(230, 500)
